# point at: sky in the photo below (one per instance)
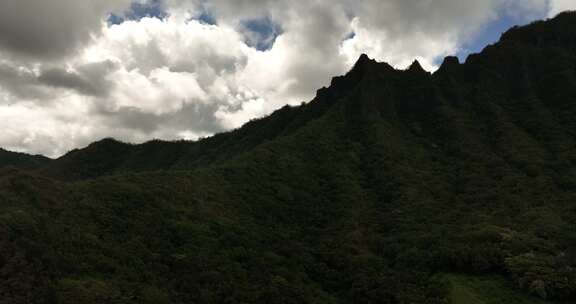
(76, 71)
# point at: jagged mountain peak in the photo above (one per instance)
(416, 67)
(363, 60)
(365, 65)
(449, 63)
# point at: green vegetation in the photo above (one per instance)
(21, 160)
(487, 289)
(370, 193)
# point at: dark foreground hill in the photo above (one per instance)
(389, 187)
(21, 160)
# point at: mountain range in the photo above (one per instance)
(390, 186)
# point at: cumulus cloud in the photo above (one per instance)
(67, 77)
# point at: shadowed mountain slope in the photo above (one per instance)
(389, 187)
(21, 160)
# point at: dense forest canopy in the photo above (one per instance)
(391, 186)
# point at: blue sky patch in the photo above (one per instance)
(350, 36)
(492, 32)
(261, 33)
(206, 17)
(137, 11)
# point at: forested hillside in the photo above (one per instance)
(391, 186)
(21, 160)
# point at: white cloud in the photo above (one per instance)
(557, 6)
(48, 130)
(180, 78)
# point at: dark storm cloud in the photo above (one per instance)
(88, 80)
(51, 29)
(196, 116)
(20, 83)
(63, 79)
